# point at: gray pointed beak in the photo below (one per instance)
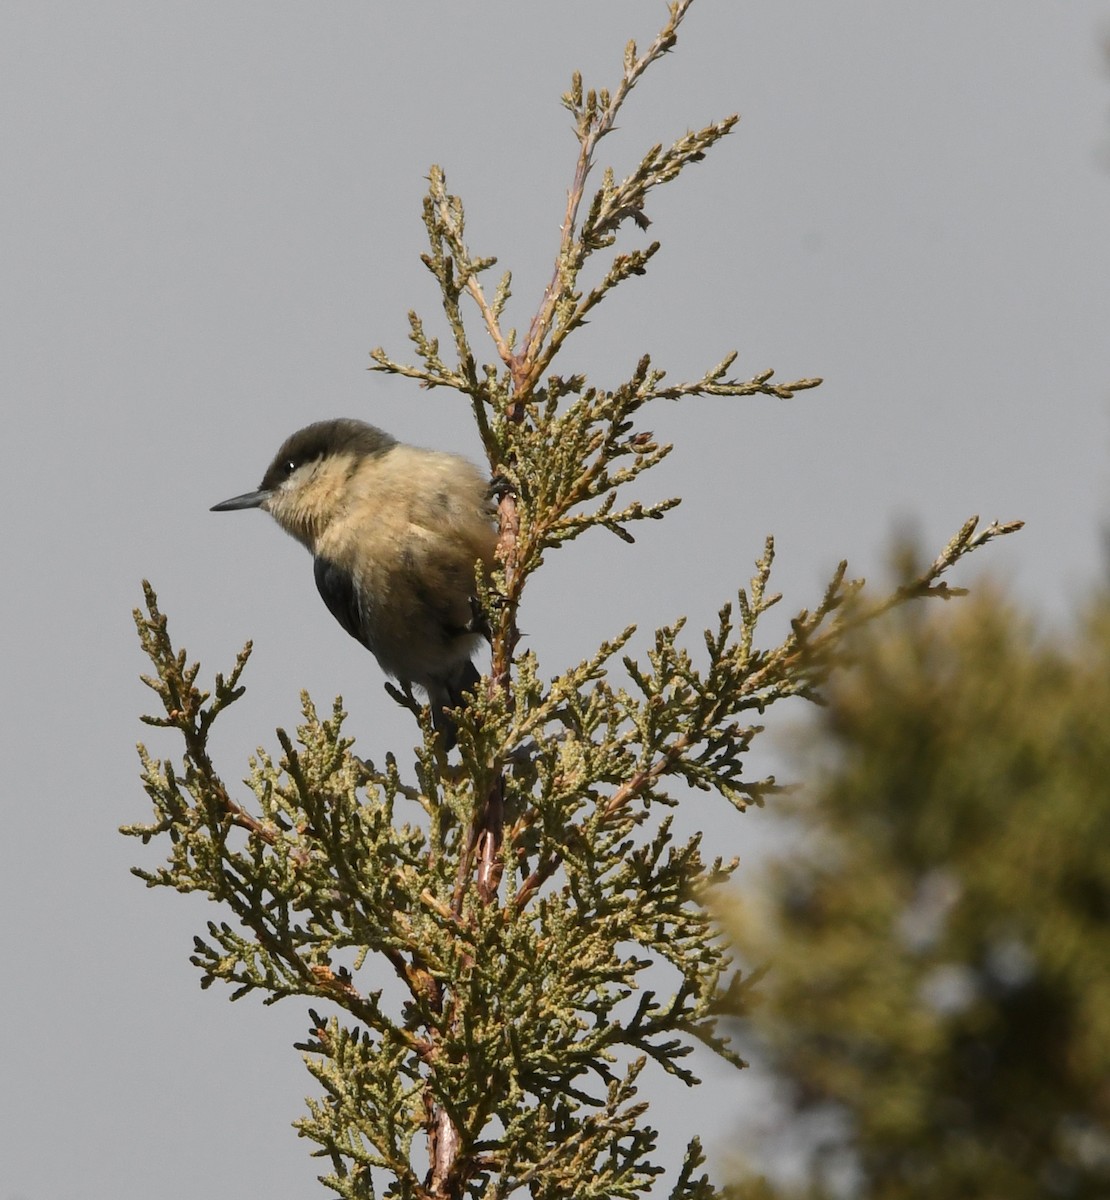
(246, 500)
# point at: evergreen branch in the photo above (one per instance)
(446, 226)
(687, 1187)
(313, 844)
(363, 1124)
(684, 721)
(928, 583)
(599, 1156)
(186, 711)
(615, 203)
(595, 116)
(714, 383)
(434, 372)
(623, 266)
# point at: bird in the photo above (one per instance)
(396, 533)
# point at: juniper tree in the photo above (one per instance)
(520, 896)
(938, 949)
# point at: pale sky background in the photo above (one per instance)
(211, 213)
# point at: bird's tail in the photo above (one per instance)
(451, 694)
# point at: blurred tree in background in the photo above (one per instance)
(938, 953)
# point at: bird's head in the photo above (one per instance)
(305, 486)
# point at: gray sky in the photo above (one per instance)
(211, 213)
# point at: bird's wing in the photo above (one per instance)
(338, 592)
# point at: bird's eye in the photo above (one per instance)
(289, 466)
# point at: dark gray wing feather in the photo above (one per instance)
(338, 592)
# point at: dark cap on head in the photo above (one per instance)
(342, 435)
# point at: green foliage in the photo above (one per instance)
(521, 900)
(939, 959)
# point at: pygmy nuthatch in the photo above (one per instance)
(396, 533)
